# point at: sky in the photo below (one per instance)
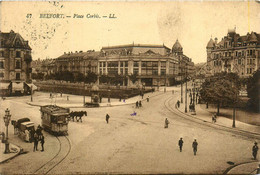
(193, 23)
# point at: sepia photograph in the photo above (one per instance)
(130, 87)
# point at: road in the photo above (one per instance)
(130, 144)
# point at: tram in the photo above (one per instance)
(54, 119)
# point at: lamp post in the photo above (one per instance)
(31, 93)
(186, 89)
(7, 119)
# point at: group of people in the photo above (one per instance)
(138, 104)
(38, 137)
(194, 146)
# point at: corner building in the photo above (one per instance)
(15, 64)
(234, 53)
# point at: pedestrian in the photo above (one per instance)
(147, 99)
(166, 123)
(100, 99)
(61, 94)
(254, 150)
(39, 130)
(142, 95)
(178, 103)
(140, 103)
(164, 89)
(258, 169)
(41, 138)
(35, 137)
(68, 98)
(213, 118)
(120, 98)
(180, 144)
(195, 146)
(136, 104)
(107, 118)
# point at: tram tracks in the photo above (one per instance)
(202, 122)
(198, 121)
(63, 152)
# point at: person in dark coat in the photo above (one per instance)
(166, 123)
(254, 150)
(178, 103)
(140, 103)
(195, 146)
(136, 104)
(147, 99)
(180, 144)
(35, 141)
(41, 138)
(107, 118)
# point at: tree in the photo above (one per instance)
(91, 77)
(253, 87)
(222, 88)
(133, 77)
(79, 77)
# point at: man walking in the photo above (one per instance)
(255, 149)
(195, 147)
(42, 142)
(35, 142)
(136, 104)
(107, 118)
(147, 99)
(180, 144)
(166, 123)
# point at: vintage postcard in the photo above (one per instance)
(127, 87)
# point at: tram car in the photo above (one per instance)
(54, 119)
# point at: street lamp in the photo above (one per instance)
(186, 89)
(31, 93)
(7, 119)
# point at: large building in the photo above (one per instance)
(15, 63)
(234, 53)
(151, 65)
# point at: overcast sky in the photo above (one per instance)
(193, 23)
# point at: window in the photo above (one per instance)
(18, 65)
(163, 71)
(18, 54)
(1, 53)
(239, 61)
(18, 76)
(100, 64)
(126, 64)
(136, 64)
(2, 66)
(2, 75)
(136, 71)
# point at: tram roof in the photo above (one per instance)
(55, 110)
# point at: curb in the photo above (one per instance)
(15, 155)
(233, 166)
(216, 124)
(108, 105)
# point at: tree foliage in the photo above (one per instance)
(222, 88)
(253, 88)
(91, 77)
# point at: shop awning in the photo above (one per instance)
(4, 85)
(17, 86)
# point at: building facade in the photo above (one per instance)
(82, 62)
(153, 65)
(234, 53)
(15, 63)
(150, 65)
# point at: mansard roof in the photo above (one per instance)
(13, 40)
